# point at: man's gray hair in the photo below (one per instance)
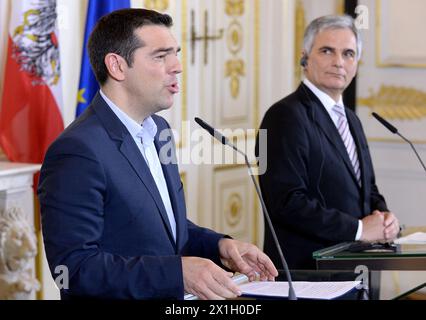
(327, 23)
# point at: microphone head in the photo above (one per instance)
(199, 121)
(204, 125)
(390, 127)
(216, 134)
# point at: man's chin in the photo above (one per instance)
(338, 85)
(165, 106)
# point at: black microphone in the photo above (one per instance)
(394, 130)
(213, 132)
(224, 140)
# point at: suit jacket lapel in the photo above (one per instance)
(168, 169)
(136, 160)
(130, 151)
(323, 121)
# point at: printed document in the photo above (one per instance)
(414, 238)
(305, 290)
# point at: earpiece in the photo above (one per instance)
(304, 61)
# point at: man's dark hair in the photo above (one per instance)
(114, 33)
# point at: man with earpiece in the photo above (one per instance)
(319, 185)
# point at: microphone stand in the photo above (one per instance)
(225, 141)
(394, 130)
(414, 149)
(291, 292)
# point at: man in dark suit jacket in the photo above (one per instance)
(319, 185)
(112, 202)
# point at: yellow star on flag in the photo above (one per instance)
(80, 96)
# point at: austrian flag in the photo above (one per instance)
(30, 112)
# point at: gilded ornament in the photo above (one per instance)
(234, 207)
(234, 70)
(158, 5)
(234, 7)
(398, 103)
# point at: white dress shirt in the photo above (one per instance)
(143, 135)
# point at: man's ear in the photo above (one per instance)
(304, 59)
(115, 66)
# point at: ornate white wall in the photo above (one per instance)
(398, 93)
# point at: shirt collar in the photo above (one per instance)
(146, 131)
(325, 99)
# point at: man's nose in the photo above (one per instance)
(338, 60)
(176, 66)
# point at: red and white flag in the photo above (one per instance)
(30, 111)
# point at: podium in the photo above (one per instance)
(338, 257)
(408, 257)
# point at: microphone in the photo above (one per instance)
(212, 131)
(224, 140)
(394, 130)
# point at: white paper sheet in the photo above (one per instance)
(306, 290)
(414, 238)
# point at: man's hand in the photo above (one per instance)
(373, 227)
(246, 258)
(391, 225)
(206, 280)
(380, 226)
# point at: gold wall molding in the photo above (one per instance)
(256, 205)
(235, 43)
(235, 37)
(340, 7)
(184, 77)
(234, 70)
(158, 5)
(234, 7)
(233, 213)
(397, 103)
(300, 22)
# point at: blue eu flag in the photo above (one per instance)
(88, 85)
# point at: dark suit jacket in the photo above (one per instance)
(310, 187)
(103, 217)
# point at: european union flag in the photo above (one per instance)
(88, 84)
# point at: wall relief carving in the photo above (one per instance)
(18, 247)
